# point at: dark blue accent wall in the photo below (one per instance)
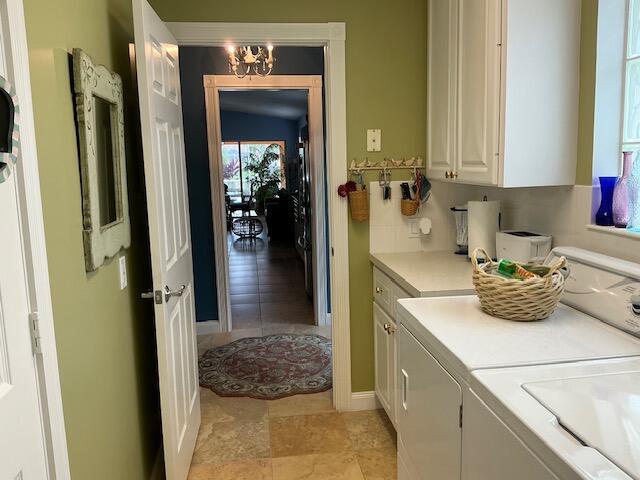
(240, 126)
(194, 63)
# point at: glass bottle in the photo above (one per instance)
(634, 197)
(604, 215)
(621, 193)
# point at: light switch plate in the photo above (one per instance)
(122, 263)
(374, 140)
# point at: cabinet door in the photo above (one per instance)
(478, 91)
(429, 403)
(382, 350)
(441, 86)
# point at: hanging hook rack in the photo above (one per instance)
(414, 163)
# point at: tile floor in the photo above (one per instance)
(267, 285)
(295, 438)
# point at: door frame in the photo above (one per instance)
(332, 37)
(213, 85)
(39, 288)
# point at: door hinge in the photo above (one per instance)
(460, 417)
(332, 252)
(36, 338)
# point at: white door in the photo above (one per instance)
(428, 411)
(166, 183)
(21, 436)
(441, 87)
(478, 92)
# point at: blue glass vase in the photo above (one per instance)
(604, 215)
(634, 197)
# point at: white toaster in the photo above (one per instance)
(522, 246)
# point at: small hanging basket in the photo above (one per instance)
(519, 300)
(359, 205)
(409, 207)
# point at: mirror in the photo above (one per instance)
(105, 208)
(105, 164)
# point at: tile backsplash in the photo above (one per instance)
(562, 212)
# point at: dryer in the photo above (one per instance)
(443, 342)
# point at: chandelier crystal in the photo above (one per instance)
(243, 62)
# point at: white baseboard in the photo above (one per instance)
(208, 327)
(363, 401)
(158, 472)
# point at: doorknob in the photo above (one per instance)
(168, 293)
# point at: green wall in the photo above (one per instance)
(105, 336)
(587, 91)
(382, 37)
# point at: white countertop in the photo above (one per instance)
(427, 274)
(457, 332)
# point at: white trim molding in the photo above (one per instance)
(213, 84)
(208, 327)
(36, 253)
(364, 401)
(332, 37)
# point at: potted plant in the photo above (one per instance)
(265, 175)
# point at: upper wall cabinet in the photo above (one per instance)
(503, 86)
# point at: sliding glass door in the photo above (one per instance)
(236, 155)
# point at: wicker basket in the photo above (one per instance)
(359, 205)
(409, 207)
(520, 300)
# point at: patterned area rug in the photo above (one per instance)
(268, 368)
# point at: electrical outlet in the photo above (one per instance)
(122, 263)
(374, 140)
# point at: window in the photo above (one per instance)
(235, 158)
(631, 116)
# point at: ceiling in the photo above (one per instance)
(288, 104)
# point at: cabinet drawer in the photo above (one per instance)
(386, 292)
(383, 291)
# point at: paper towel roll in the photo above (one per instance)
(484, 222)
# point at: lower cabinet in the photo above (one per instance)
(428, 410)
(384, 337)
(386, 294)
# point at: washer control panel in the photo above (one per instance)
(603, 287)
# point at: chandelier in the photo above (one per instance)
(243, 62)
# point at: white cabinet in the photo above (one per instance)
(440, 78)
(428, 414)
(503, 81)
(385, 297)
(384, 336)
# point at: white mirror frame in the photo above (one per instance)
(90, 80)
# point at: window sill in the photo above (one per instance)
(618, 232)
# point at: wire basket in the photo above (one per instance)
(520, 300)
(359, 205)
(409, 207)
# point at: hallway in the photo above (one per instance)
(300, 437)
(267, 293)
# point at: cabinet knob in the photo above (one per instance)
(379, 290)
(388, 328)
(454, 174)
(447, 174)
